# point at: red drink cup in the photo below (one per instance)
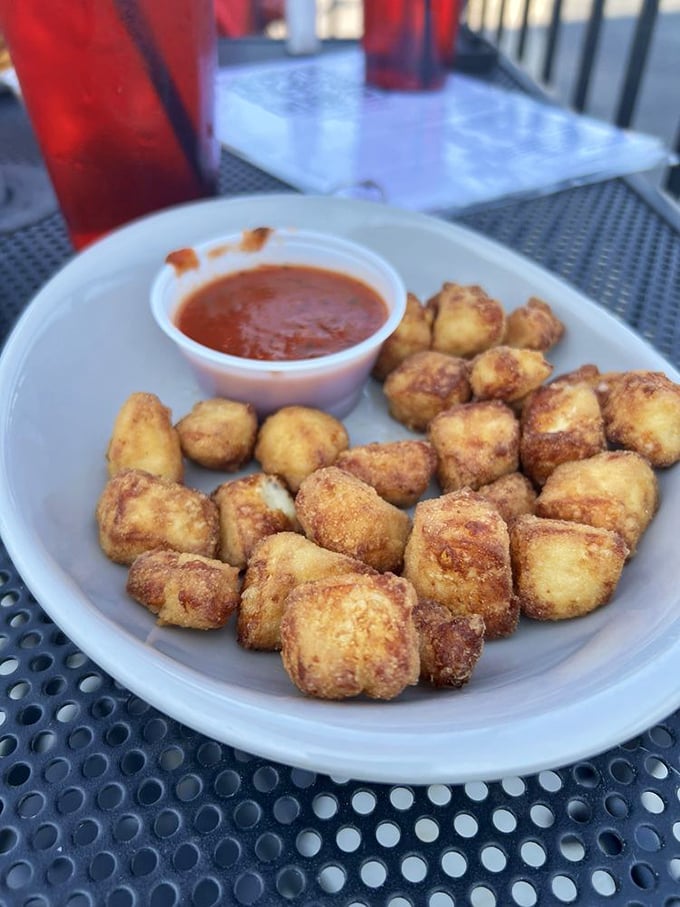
(409, 44)
(120, 94)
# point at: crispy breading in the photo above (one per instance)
(458, 554)
(476, 443)
(296, 440)
(533, 326)
(276, 566)
(642, 413)
(467, 320)
(184, 590)
(252, 508)
(423, 385)
(219, 433)
(340, 512)
(505, 373)
(450, 645)
(400, 471)
(351, 634)
(143, 437)
(559, 422)
(413, 334)
(564, 569)
(138, 511)
(513, 495)
(615, 490)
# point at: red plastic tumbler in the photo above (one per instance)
(120, 93)
(409, 44)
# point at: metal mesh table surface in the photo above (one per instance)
(104, 800)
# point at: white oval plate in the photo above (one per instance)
(546, 697)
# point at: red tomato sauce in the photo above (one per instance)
(282, 312)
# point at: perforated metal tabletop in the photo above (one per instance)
(106, 801)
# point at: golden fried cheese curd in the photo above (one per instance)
(340, 512)
(533, 326)
(458, 554)
(506, 373)
(615, 490)
(476, 443)
(138, 511)
(276, 566)
(564, 569)
(413, 334)
(351, 634)
(296, 440)
(450, 645)
(467, 320)
(400, 471)
(219, 433)
(184, 590)
(143, 437)
(559, 422)
(252, 508)
(513, 494)
(642, 413)
(423, 385)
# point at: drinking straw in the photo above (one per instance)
(141, 34)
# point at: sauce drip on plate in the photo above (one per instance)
(282, 312)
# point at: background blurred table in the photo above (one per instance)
(106, 801)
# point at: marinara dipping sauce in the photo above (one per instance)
(282, 312)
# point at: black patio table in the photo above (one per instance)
(113, 803)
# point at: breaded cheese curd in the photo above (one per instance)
(425, 384)
(450, 645)
(138, 511)
(467, 320)
(351, 634)
(458, 554)
(219, 433)
(184, 590)
(251, 508)
(400, 471)
(564, 569)
(296, 440)
(475, 443)
(615, 490)
(143, 437)
(413, 334)
(340, 512)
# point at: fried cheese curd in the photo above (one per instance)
(513, 494)
(466, 320)
(219, 433)
(184, 590)
(616, 490)
(425, 384)
(450, 645)
(143, 437)
(400, 471)
(508, 374)
(476, 443)
(137, 512)
(533, 326)
(559, 422)
(564, 569)
(340, 512)
(351, 634)
(296, 440)
(458, 554)
(250, 509)
(412, 335)
(277, 565)
(642, 413)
